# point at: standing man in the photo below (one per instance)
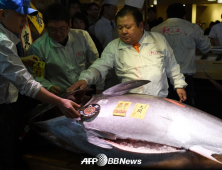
(216, 34)
(183, 37)
(105, 28)
(137, 55)
(74, 7)
(152, 21)
(93, 13)
(14, 77)
(66, 52)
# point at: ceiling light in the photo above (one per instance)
(219, 1)
(211, 0)
(155, 2)
(184, 5)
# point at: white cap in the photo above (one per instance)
(135, 3)
(112, 2)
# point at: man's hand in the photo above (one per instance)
(30, 60)
(82, 84)
(55, 90)
(182, 94)
(68, 110)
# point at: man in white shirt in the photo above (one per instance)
(14, 77)
(93, 13)
(105, 28)
(137, 55)
(183, 38)
(216, 35)
(66, 52)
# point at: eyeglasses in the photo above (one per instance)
(96, 10)
(61, 30)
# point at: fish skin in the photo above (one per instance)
(164, 123)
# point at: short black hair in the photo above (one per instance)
(102, 10)
(152, 9)
(138, 18)
(74, 2)
(92, 4)
(82, 17)
(56, 12)
(176, 10)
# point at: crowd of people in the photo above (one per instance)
(91, 47)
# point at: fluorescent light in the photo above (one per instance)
(219, 1)
(155, 2)
(211, 0)
(184, 5)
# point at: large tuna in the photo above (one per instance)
(136, 126)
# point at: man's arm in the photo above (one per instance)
(213, 36)
(173, 72)
(99, 69)
(15, 72)
(66, 106)
(214, 42)
(202, 41)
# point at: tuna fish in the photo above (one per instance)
(135, 126)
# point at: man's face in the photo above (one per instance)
(111, 10)
(13, 21)
(152, 15)
(93, 12)
(74, 8)
(58, 30)
(128, 30)
(78, 24)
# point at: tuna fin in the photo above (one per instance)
(213, 81)
(124, 87)
(204, 152)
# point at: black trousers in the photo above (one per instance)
(7, 137)
(189, 90)
(11, 126)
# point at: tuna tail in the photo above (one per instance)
(124, 87)
(204, 152)
(213, 81)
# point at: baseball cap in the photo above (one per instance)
(20, 6)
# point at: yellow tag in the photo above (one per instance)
(139, 111)
(121, 108)
(39, 69)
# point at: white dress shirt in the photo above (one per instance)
(64, 63)
(14, 76)
(103, 31)
(183, 38)
(216, 33)
(155, 62)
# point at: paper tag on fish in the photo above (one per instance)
(139, 111)
(39, 69)
(121, 108)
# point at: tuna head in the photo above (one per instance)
(140, 127)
